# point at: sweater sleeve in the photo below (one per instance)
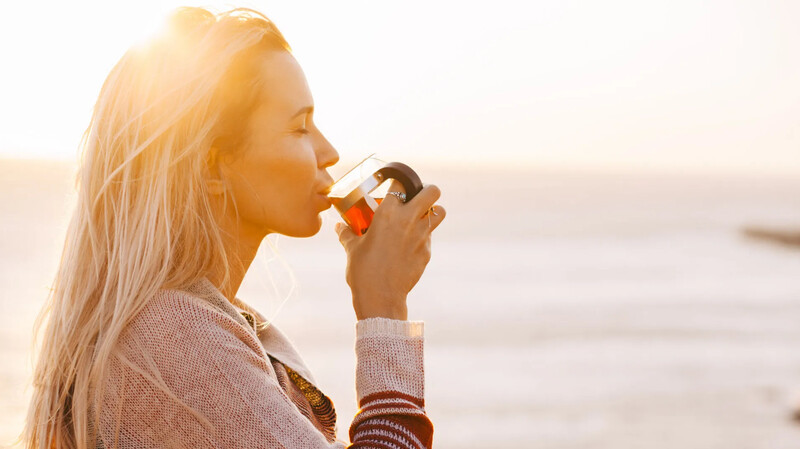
(390, 385)
(188, 375)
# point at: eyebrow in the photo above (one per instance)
(303, 110)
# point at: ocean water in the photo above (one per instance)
(562, 309)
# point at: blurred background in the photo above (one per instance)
(607, 170)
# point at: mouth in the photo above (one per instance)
(326, 200)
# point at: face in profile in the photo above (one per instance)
(277, 177)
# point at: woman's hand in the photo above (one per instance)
(384, 264)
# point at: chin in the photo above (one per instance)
(307, 229)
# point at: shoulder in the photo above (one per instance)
(181, 362)
(176, 320)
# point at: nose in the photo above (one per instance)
(326, 153)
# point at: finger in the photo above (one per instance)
(432, 218)
(393, 200)
(345, 233)
(437, 219)
(424, 200)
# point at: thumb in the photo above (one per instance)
(345, 233)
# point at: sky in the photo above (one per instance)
(643, 85)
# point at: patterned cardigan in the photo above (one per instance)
(191, 371)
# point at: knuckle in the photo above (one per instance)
(424, 246)
(435, 192)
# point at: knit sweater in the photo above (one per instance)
(192, 371)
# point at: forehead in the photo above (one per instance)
(284, 85)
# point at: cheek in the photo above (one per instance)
(294, 175)
(277, 182)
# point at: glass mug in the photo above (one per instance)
(357, 194)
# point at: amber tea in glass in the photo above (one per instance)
(357, 194)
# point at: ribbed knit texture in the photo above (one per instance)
(228, 386)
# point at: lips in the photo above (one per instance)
(326, 200)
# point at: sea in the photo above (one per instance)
(563, 309)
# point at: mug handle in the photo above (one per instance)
(403, 173)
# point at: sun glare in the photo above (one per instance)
(149, 30)
(694, 85)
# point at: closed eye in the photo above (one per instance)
(304, 128)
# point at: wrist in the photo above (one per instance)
(394, 309)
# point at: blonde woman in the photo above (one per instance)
(201, 143)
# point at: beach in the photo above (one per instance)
(562, 309)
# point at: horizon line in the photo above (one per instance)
(518, 166)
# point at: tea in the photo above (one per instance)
(359, 216)
(357, 194)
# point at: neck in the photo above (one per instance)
(241, 245)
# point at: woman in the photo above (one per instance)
(201, 143)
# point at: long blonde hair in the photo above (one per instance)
(143, 219)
